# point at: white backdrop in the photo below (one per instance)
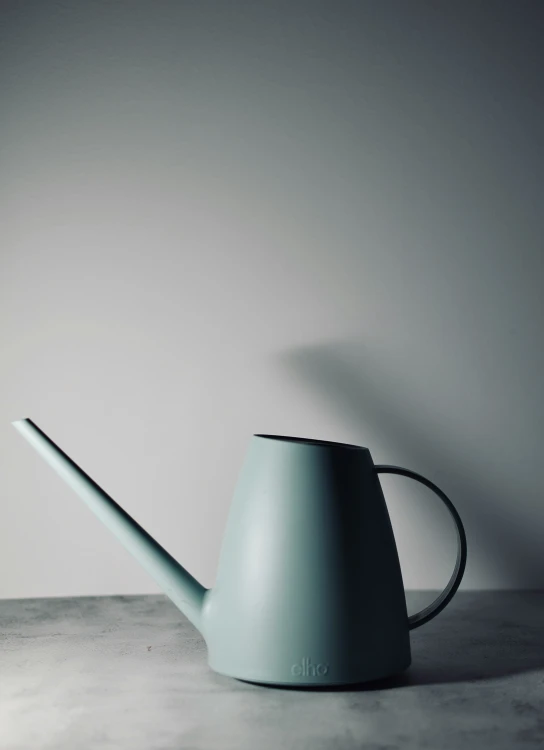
(229, 218)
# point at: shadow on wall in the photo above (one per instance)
(372, 398)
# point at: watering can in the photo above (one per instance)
(309, 589)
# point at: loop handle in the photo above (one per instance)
(420, 618)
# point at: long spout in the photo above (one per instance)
(184, 590)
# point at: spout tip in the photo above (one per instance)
(18, 422)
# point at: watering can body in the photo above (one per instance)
(309, 589)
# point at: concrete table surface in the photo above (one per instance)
(131, 672)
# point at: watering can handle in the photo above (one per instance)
(420, 618)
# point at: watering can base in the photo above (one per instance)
(319, 681)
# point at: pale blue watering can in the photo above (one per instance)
(309, 589)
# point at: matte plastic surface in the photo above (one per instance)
(309, 589)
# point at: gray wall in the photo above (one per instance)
(221, 218)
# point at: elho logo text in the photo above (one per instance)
(307, 669)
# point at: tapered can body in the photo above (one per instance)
(309, 589)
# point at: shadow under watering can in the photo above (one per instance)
(309, 589)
